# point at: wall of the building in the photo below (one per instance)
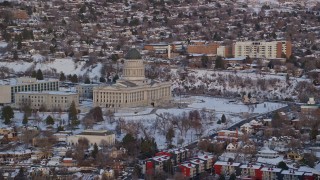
(110, 139)
(203, 49)
(49, 101)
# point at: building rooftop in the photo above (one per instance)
(23, 80)
(133, 54)
(96, 133)
(48, 92)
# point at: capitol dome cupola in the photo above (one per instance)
(133, 69)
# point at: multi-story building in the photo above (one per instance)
(226, 168)
(262, 49)
(94, 137)
(156, 164)
(271, 173)
(224, 51)
(207, 160)
(50, 100)
(188, 169)
(200, 47)
(252, 171)
(8, 87)
(292, 175)
(199, 165)
(133, 89)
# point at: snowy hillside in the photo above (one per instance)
(231, 83)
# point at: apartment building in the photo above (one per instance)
(226, 168)
(9, 87)
(262, 49)
(50, 100)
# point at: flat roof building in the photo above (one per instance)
(8, 87)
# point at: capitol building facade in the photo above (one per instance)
(133, 89)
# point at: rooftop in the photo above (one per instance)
(96, 133)
(48, 92)
(133, 54)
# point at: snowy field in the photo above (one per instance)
(234, 112)
(147, 117)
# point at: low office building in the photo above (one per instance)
(85, 91)
(8, 87)
(50, 100)
(94, 137)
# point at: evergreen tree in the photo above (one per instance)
(62, 77)
(95, 150)
(96, 114)
(34, 74)
(73, 115)
(282, 165)
(20, 175)
(222, 177)
(114, 57)
(49, 120)
(60, 128)
(74, 78)
(129, 142)
(15, 55)
(6, 114)
(204, 61)
(223, 118)
(6, 36)
(170, 134)
(148, 147)
(102, 79)
(219, 63)
(87, 80)
(19, 45)
(233, 177)
(39, 75)
(115, 78)
(25, 119)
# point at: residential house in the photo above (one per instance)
(246, 128)
(265, 152)
(294, 155)
(68, 162)
(233, 146)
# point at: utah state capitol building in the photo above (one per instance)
(133, 89)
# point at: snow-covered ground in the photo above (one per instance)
(234, 112)
(264, 86)
(65, 65)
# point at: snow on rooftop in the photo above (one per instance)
(48, 92)
(292, 172)
(271, 169)
(223, 163)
